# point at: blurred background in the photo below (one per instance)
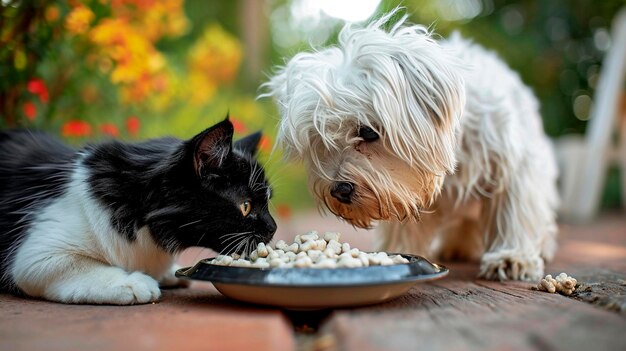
(134, 69)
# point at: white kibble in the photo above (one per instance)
(312, 236)
(273, 255)
(261, 250)
(374, 260)
(326, 263)
(348, 262)
(345, 255)
(321, 244)
(281, 244)
(547, 284)
(241, 263)
(354, 252)
(292, 248)
(363, 258)
(330, 253)
(315, 255)
(303, 262)
(261, 263)
(386, 261)
(276, 262)
(397, 259)
(335, 245)
(308, 245)
(313, 250)
(345, 247)
(563, 284)
(328, 236)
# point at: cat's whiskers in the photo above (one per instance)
(233, 240)
(231, 245)
(239, 246)
(191, 223)
(231, 236)
(198, 243)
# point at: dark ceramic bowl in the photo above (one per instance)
(313, 288)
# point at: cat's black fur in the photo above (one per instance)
(186, 192)
(34, 169)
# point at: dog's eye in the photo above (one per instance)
(368, 134)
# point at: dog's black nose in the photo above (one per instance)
(342, 191)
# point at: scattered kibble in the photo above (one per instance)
(563, 284)
(309, 250)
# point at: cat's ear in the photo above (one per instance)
(248, 145)
(212, 147)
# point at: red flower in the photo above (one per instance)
(38, 87)
(238, 126)
(30, 110)
(283, 211)
(109, 129)
(265, 144)
(76, 128)
(132, 125)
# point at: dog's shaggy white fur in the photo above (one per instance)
(458, 137)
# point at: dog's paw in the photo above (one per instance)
(169, 280)
(511, 265)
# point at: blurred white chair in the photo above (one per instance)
(584, 161)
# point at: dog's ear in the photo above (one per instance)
(436, 88)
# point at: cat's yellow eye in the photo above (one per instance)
(245, 208)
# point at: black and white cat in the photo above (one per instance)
(102, 224)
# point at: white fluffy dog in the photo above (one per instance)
(393, 123)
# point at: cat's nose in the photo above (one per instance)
(342, 191)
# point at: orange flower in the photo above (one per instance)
(132, 125)
(78, 20)
(238, 126)
(139, 67)
(52, 13)
(213, 60)
(30, 110)
(76, 128)
(109, 129)
(265, 144)
(283, 211)
(38, 87)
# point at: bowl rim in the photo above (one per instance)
(255, 276)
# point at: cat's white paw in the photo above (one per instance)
(135, 288)
(511, 265)
(106, 286)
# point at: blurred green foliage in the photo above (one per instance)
(135, 69)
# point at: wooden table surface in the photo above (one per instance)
(455, 313)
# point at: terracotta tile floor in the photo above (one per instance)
(457, 312)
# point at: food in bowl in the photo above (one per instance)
(310, 250)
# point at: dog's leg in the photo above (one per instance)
(409, 237)
(520, 225)
(461, 241)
